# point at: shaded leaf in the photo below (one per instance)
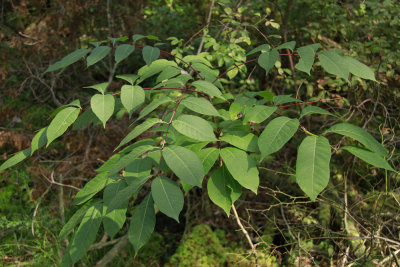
(307, 57)
(130, 157)
(207, 87)
(208, 156)
(360, 135)
(276, 134)
(185, 164)
(150, 54)
(200, 105)
(142, 223)
(334, 64)
(261, 48)
(125, 194)
(194, 127)
(92, 187)
(288, 45)
(97, 54)
(68, 60)
(86, 233)
(167, 196)
(113, 221)
(218, 190)
(138, 130)
(283, 99)
(258, 113)
(123, 51)
(312, 165)
(267, 59)
(359, 69)
(39, 140)
(153, 105)
(314, 110)
(369, 157)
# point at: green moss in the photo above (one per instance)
(204, 247)
(199, 248)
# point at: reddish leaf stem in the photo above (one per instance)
(166, 133)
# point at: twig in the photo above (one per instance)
(56, 183)
(204, 33)
(36, 209)
(112, 253)
(253, 248)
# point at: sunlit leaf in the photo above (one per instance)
(103, 107)
(61, 122)
(132, 97)
(194, 127)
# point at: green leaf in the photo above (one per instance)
(359, 69)
(155, 67)
(132, 97)
(258, 113)
(207, 87)
(312, 165)
(103, 107)
(208, 156)
(101, 87)
(128, 158)
(200, 105)
(358, 134)
(218, 188)
(137, 37)
(85, 119)
(118, 39)
(142, 223)
(68, 60)
(177, 82)
(168, 73)
(283, 99)
(74, 220)
(92, 187)
(234, 109)
(138, 168)
(86, 233)
(185, 164)
(276, 134)
(39, 140)
(123, 51)
(150, 54)
(307, 57)
(370, 157)
(130, 78)
(314, 110)
(243, 140)
(61, 122)
(263, 48)
(113, 221)
(267, 59)
(138, 130)
(153, 105)
(197, 59)
(241, 166)
(125, 194)
(288, 45)
(167, 196)
(194, 127)
(14, 160)
(334, 64)
(97, 54)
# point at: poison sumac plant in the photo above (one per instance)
(204, 132)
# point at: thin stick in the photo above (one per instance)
(56, 183)
(253, 247)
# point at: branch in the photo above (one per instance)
(253, 247)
